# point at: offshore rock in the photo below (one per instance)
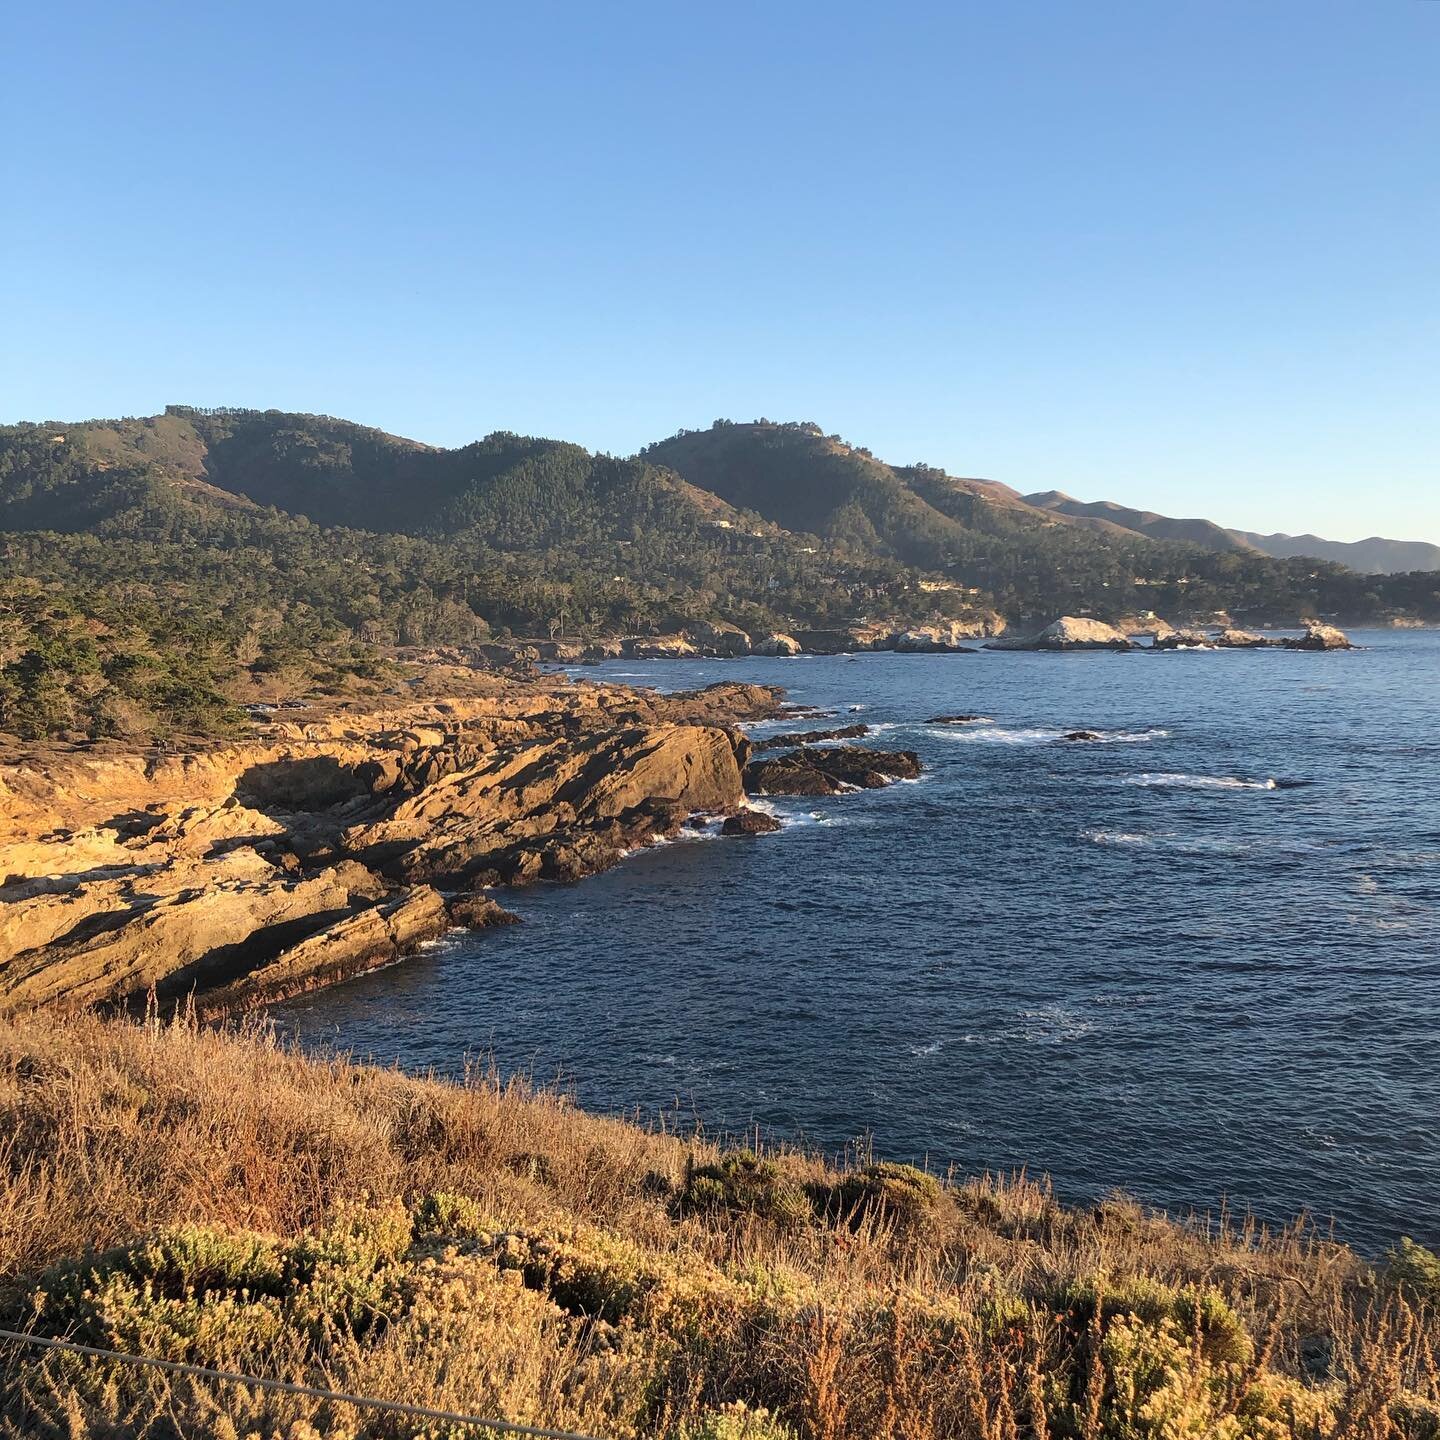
(750, 822)
(809, 737)
(1070, 632)
(828, 772)
(1232, 638)
(1183, 640)
(777, 644)
(934, 639)
(718, 638)
(1320, 637)
(478, 912)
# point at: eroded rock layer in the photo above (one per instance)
(239, 873)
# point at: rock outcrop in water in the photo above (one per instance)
(1320, 637)
(1183, 640)
(1233, 638)
(253, 871)
(749, 822)
(829, 771)
(809, 737)
(1070, 632)
(776, 644)
(934, 639)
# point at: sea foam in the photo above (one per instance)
(1170, 781)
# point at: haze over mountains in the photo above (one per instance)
(1375, 556)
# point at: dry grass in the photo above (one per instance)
(485, 1248)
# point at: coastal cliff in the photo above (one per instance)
(214, 1198)
(245, 872)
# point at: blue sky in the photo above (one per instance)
(1181, 254)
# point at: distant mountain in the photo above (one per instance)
(1371, 557)
(1140, 522)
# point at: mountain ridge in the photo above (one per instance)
(158, 570)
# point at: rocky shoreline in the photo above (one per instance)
(231, 875)
(727, 642)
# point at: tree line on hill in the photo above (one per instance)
(153, 571)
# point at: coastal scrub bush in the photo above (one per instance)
(1414, 1269)
(1202, 1313)
(736, 1421)
(441, 1216)
(743, 1183)
(901, 1195)
(1415, 1418)
(200, 1195)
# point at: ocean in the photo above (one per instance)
(1197, 960)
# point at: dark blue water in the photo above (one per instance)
(1128, 964)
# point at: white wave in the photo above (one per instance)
(792, 819)
(1116, 837)
(933, 1048)
(686, 836)
(1166, 780)
(1000, 735)
(995, 735)
(1044, 1025)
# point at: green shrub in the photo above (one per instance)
(1415, 1419)
(902, 1195)
(736, 1422)
(743, 1183)
(450, 1217)
(1414, 1269)
(183, 1262)
(1224, 1339)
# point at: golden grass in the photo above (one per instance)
(487, 1248)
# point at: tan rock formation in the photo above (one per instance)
(777, 644)
(231, 870)
(1070, 632)
(1320, 637)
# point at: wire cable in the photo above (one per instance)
(290, 1387)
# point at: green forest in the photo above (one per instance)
(149, 566)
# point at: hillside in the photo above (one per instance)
(217, 1199)
(1027, 555)
(509, 490)
(159, 571)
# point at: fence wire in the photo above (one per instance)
(290, 1387)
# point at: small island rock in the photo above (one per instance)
(749, 822)
(1320, 637)
(1070, 632)
(776, 644)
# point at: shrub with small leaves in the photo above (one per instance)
(737, 1421)
(742, 1183)
(451, 1217)
(901, 1195)
(1414, 1269)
